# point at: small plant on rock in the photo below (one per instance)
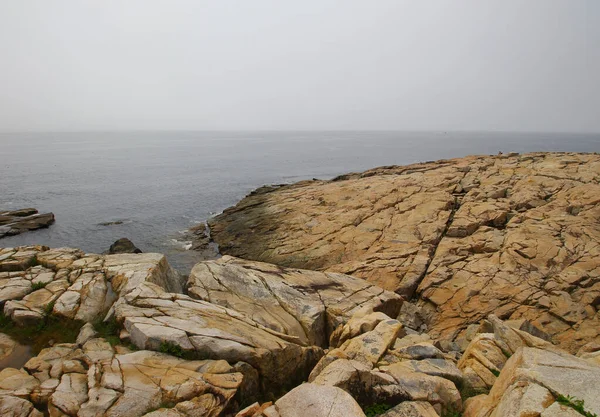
(171, 348)
(38, 286)
(575, 404)
(376, 409)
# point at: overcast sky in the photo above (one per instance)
(520, 65)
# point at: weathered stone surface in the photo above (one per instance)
(513, 235)
(17, 407)
(411, 409)
(153, 317)
(19, 221)
(95, 381)
(317, 401)
(80, 286)
(373, 370)
(531, 380)
(7, 345)
(301, 303)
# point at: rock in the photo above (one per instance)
(7, 345)
(411, 409)
(96, 381)
(86, 333)
(317, 401)
(123, 245)
(516, 236)
(305, 304)
(532, 378)
(372, 367)
(156, 319)
(17, 382)
(19, 221)
(17, 407)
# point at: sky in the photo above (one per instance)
(507, 65)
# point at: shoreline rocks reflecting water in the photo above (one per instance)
(466, 286)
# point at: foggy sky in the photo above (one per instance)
(516, 65)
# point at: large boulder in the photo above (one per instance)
(306, 304)
(155, 319)
(534, 380)
(317, 401)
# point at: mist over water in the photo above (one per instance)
(161, 183)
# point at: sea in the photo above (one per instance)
(152, 186)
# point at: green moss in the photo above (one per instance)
(376, 409)
(38, 286)
(496, 373)
(575, 404)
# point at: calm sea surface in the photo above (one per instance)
(161, 183)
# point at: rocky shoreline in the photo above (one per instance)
(465, 287)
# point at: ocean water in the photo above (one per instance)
(158, 184)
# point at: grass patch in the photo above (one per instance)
(376, 409)
(172, 349)
(38, 286)
(108, 330)
(51, 328)
(496, 373)
(575, 404)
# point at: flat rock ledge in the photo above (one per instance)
(513, 235)
(19, 221)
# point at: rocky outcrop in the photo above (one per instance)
(94, 379)
(540, 382)
(305, 304)
(19, 221)
(69, 283)
(155, 318)
(123, 245)
(514, 235)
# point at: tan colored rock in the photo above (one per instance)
(531, 374)
(513, 235)
(17, 382)
(7, 345)
(305, 304)
(153, 318)
(70, 394)
(411, 409)
(317, 401)
(17, 407)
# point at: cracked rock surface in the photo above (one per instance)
(301, 303)
(514, 235)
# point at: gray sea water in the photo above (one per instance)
(158, 184)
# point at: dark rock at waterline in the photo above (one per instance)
(111, 223)
(123, 245)
(23, 220)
